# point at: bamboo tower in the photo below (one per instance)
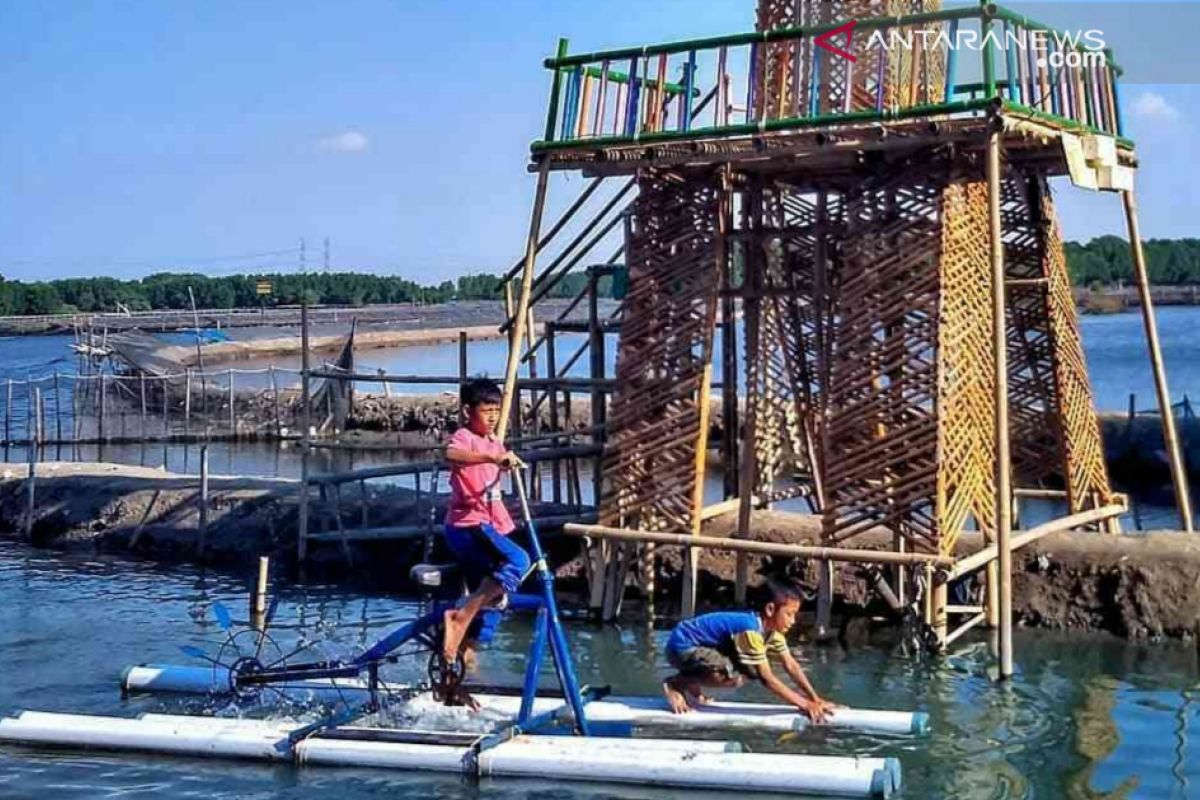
(884, 226)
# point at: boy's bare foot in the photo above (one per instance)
(470, 657)
(454, 627)
(675, 699)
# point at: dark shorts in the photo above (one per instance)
(699, 662)
(481, 553)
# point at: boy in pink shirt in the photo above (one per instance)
(477, 523)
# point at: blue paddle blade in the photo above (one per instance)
(191, 651)
(222, 615)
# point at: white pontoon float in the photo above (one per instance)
(527, 739)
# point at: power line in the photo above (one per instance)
(172, 261)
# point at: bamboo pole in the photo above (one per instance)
(258, 601)
(142, 388)
(1178, 472)
(187, 403)
(8, 413)
(39, 406)
(596, 358)
(202, 533)
(57, 408)
(232, 415)
(990, 554)
(522, 309)
(751, 307)
(462, 359)
(31, 486)
(837, 554)
(275, 400)
(302, 534)
(1000, 399)
(103, 402)
(555, 423)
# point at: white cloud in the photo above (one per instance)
(345, 142)
(1154, 106)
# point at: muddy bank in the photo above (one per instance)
(148, 512)
(226, 352)
(1139, 586)
(1136, 585)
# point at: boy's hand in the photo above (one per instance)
(814, 710)
(828, 707)
(509, 460)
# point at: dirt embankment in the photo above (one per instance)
(1135, 585)
(1140, 586)
(224, 352)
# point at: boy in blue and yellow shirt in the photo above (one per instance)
(717, 650)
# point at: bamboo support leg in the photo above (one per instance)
(521, 311)
(940, 596)
(824, 600)
(1000, 354)
(1178, 471)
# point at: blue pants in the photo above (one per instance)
(481, 553)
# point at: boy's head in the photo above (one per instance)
(481, 398)
(778, 603)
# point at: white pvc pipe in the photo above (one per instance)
(649, 711)
(387, 755)
(662, 762)
(761, 772)
(111, 733)
(654, 712)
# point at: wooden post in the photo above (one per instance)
(166, 386)
(729, 398)
(40, 407)
(31, 489)
(187, 403)
(57, 409)
(555, 423)
(1000, 400)
(232, 416)
(302, 534)
(462, 359)
(258, 606)
(103, 402)
(8, 414)
(1178, 472)
(522, 310)
(940, 622)
(751, 306)
(203, 531)
(142, 388)
(275, 401)
(599, 415)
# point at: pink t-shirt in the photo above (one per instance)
(475, 488)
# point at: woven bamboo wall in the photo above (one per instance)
(785, 300)
(1055, 427)
(657, 420)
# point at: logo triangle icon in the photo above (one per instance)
(824, 40)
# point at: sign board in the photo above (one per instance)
(1092, 162)
(263, 287)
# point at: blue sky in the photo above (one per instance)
(143, 135)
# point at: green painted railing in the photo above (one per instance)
(948, 62)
